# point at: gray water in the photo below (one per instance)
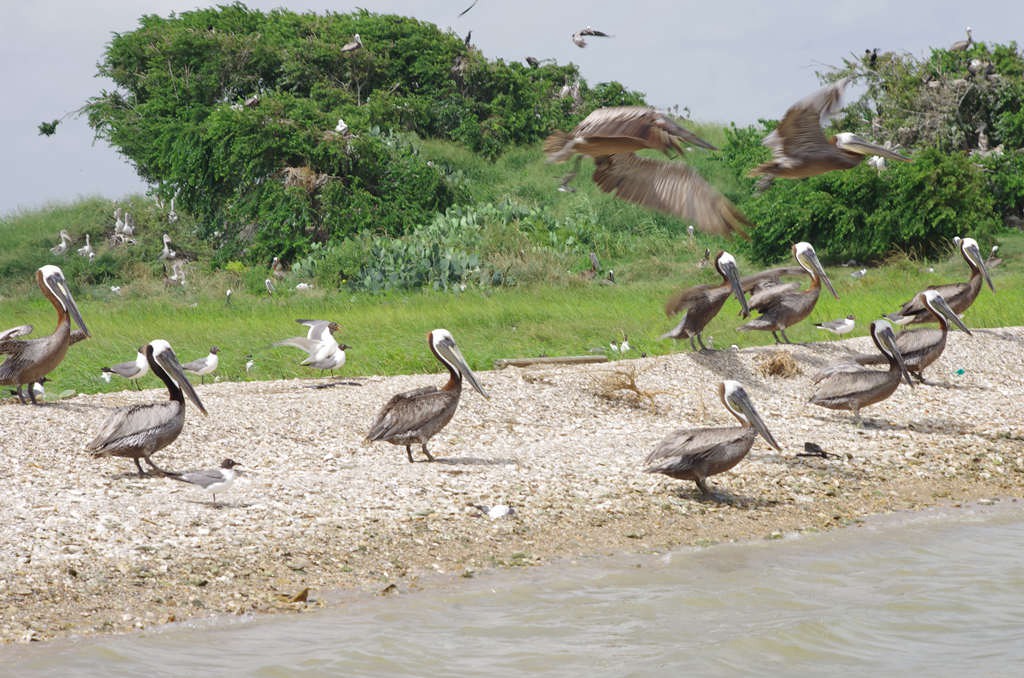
(939, 592)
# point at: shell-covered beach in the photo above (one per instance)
(90, 548)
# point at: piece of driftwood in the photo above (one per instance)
(553, 360)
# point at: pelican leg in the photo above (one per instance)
(693, 346)
(408, 452)
(783, 333)
(157, 468)
(430, 457)
(703, 486)
(138, 466)
(776, 335)
(700, 341)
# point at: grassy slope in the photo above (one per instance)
(387, 332)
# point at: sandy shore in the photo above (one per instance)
(89, 548)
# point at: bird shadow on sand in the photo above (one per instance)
(475, 461)
(332, 384)
(217, 504)
(726, 498)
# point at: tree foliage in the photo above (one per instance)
(237, 113)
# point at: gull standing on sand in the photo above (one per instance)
(324, 351)
(213, 480)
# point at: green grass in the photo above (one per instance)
(387, 333)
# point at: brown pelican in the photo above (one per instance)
(132, 370)
(923, 346)
(353, 45)
(848, 386)
(612, 135)
(415, 416)
(783, 306)
(959, 296)
(695, 454)
(962, 45)
(325, 353)
(61, 247)
(213, 480)
(799, 147)
(579, 37)
(29, 360)
(277, 268)
(203, 366)
(137, 431)
(703, 302)
(841, 326)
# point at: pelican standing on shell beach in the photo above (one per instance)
(29, 360)
(703, 302)
(783, 306)
(694, 454)
(137, 431)
(414, 417)
(849, 386)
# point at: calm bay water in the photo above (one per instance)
(940, 592)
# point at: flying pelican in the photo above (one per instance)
(213, 480)
(959, 296)
(703, 302)
(29, 360)
(611, 136)
(848, 386)
(799, 147)
(415, 416)
(783, 306)
(325, 353)
(841, 326)
(353, 45)
(132, 370)
(471, 6)
(923, 346)
(579, 40)
(694, 454)
(86, 249)
(137, 431)
(61, 247)
(962, 45)
(203, 366)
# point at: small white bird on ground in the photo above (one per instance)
(841, 326)
(213, 480)
(203, 366)
(132, 370)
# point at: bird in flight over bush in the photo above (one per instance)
(579, 40)
(799, 146)
(611, 136)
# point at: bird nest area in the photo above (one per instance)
(778, 364)
(321, 516)
(305, 177)
(622, 385)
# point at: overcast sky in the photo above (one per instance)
(724, 60)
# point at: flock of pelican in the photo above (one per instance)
(611, 137)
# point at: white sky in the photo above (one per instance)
(726, 60)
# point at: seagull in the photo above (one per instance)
(324, 352)
(269, 284)
(227, 296)
(341, 127)
(249, 363)
(859, 273)
(355, 44)
(203, 366)
(131, 370)
(213, 480)
(841, 326)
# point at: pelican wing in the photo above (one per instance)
(765, 279)
(648, 127)
(135, 427)
(799, 134)
(19, 331)
(844, 380)
(768, 297)
(407, 412)
(951, 292)
(685, 448)
(671, 187)
(681, 301)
